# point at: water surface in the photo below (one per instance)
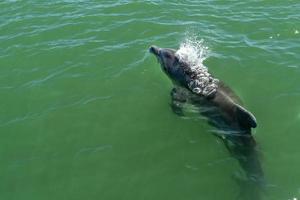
(85, 113)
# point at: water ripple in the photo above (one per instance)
(132, 65)
(89, 150)
(36, 115)
(42, 80)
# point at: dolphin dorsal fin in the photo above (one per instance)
(245, 118)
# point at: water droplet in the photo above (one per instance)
(192, 51)
(296, 32)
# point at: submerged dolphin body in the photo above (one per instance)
(221, 107)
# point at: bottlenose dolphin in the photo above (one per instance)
(222, 108)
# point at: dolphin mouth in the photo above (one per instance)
(155, 50)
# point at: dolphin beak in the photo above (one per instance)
(155, 50)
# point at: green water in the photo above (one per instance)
(85, 112)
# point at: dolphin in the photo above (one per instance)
(221, 107)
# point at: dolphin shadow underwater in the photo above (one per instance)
(223, 110)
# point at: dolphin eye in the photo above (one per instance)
(167, 55)
(176, 59)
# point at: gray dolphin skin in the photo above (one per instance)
(222, 109)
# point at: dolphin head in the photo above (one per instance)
(170, 64)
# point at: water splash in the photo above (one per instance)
(193, 51)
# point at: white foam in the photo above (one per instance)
(193, 52)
